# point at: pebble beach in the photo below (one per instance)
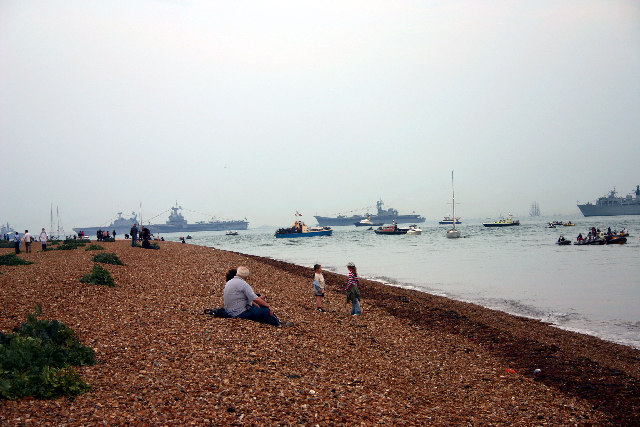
(412, 358)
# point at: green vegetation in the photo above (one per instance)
(6, 244)
(13, 259)
(94, 248)
(36, 360)
(108, 258)
(70, 245)
(98, 276)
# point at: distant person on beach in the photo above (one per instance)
(318, 286)
(28, 238)
(240, 300)
(353, 293)
(16, 242)
(43, 239)
(134, 234)
(114, 234)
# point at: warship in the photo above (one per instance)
(612, 205)
(175, 223)
(121, 225)
(383, 216)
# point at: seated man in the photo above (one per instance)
(240, 300)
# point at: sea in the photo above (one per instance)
(519, 270)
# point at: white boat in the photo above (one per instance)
(232, 233)
(414, 229)
(453, 233)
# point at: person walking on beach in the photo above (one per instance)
(43, 239)
(318, 286)
(134, 234)
(240, 300)
(16, 242)
(28, 238)
(353, 293)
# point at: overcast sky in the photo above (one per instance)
(258, 109)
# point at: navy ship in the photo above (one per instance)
(385, 216)
(175, 223)
(612, 205)
(121, 225)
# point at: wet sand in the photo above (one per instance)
(411, 358)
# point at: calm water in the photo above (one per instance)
(520, 270)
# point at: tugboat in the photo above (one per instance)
(391, 230)
(509, 222)
(300, 229)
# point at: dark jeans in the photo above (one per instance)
(44, 247)
(134, 239)
(17, 247)
(260, 314)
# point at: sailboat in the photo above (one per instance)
(453, 233)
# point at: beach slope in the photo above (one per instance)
(411, 358)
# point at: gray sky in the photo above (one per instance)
(259, 109)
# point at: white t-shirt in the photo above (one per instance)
(44, 237)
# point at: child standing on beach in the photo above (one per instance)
(318, 286)
(353, 293)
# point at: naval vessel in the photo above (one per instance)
(385, 216)
(175, 223)
(612, 205)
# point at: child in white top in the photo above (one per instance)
(318, 286)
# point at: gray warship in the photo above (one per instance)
(121, 225)
(385, 216)
(612, 205)
(175, 223)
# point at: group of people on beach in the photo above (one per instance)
(241, 301)
(28, 238)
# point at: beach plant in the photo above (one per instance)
(36, 360)
(98, 276)
(13, 259)
(70, 245)
(94, 248)
(6, 244)
(108, 258)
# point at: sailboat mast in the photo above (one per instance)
(453, 196)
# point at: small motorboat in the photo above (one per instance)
(615, 240)
(551, 225)
(367, 223)
(414, 230)
(391, 230)
(590, 241)
(568, 224)
(231, 233)
(189, 237)
(447, 220)
(562, 241)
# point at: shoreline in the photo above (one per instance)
(412, 358)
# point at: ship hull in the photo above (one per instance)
(307, 234)
(595, 210)
(325, 221)
(167, 228)
(192, 228)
